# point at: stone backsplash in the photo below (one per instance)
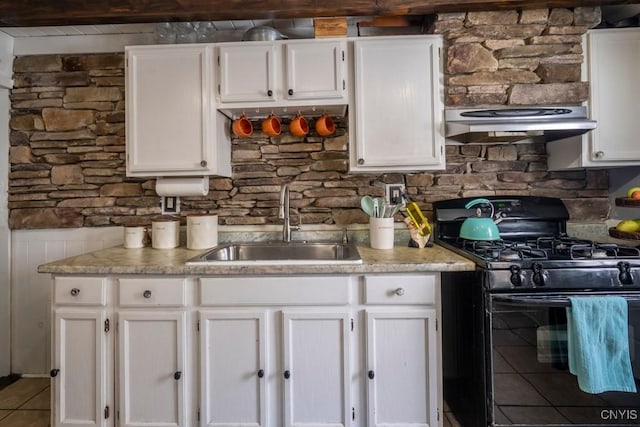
(515, 57)
(67, 139)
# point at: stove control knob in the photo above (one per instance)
(539, 276)
(625, 273)
(516, 276)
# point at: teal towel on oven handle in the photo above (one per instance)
(598, 344)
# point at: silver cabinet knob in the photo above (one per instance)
(361, 161)
(399, 292)
(203, 163)
(599, 154)
(75, 292)
(147, 294)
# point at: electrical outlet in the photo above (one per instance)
(170, 205)
(393, 193)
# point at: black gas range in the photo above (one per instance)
(534, 251)
(504, 325)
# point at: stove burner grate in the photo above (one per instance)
(567, 247)
(546, 248)
(503, 250)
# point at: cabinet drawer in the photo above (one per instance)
(80, 291)
(316, 290)
(152, 292)
(400, 289)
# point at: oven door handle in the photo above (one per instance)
(554, 300)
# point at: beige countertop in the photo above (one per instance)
(118, 260)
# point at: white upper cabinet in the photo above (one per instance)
(171, 123)
(612, 64)
(281, 74)
(247, 72)
(397, 112)
(315, 70)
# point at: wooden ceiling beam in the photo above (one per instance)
(25, 13)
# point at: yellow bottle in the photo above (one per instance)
(417, 217)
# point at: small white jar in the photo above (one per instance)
(134, 237)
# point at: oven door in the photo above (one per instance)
(529, 380)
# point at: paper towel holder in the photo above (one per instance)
(182, 186)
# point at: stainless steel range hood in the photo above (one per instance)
(511, 124)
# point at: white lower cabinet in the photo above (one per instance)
(120, 361)
(152, 366)
(281, 360)
(401, 368)
(233, 368)
(82, 359)
(271, 351)
(402, 350)
(317, 368)
(275, 367)
(152, 383)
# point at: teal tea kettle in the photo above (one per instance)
(478, 227)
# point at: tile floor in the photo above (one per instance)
(449, 420)
(25, 403)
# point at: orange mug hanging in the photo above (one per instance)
(299, 126)
(271, 126)
(242, 127)
(325, 125)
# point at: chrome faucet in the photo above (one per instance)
(284, 214)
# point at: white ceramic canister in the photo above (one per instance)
(134, 237)
(202, 231)
(165, 234)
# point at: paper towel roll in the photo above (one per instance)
(183, 186)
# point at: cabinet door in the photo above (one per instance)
(614, 61)
(82, 377)
(402, 368)
(316, 368)
(169, 115)
(233, 369)
(398, 104)
(247, 72)
(315, 69)
(152, 371)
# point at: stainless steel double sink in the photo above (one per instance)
(278, 252)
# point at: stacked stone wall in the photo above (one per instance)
(516, 57)
(67, 141)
